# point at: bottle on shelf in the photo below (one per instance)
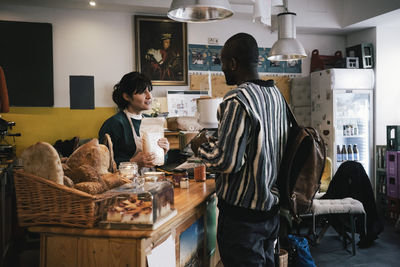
(348, 130)
(355, 128)
(339, 154)
(356, 153)
(349, 153)
(379, 158)
(344, 153)
(344, 130)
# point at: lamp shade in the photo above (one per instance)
(199, 10)
(287, 47)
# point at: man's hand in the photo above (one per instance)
(197, 141)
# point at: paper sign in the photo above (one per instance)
(163, 255)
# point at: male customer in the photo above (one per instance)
(252, 134)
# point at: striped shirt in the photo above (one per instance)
(252, 134)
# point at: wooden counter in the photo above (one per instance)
(64, 246)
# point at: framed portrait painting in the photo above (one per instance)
(160, 46)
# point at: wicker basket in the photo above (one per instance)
(41, 201)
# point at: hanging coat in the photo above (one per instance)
(4, 103)
(351, 180)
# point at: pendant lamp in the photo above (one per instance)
(199, 10)
(287, 48)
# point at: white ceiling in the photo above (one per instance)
(241, 8)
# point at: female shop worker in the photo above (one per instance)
(132, 96)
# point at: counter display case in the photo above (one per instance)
(127, 205)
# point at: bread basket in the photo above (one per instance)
(43, 202)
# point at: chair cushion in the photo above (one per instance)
(329, 206)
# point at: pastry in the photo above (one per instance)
(68, 182)
(131, 211)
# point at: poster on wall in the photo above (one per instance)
(215, 57)
(293, 66)
(198, 57)
(192, 245)
(262, 59)
(183, 103)
(208, 58)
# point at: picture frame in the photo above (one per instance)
(161, 49)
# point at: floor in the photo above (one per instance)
(385, 252)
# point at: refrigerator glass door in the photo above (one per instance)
(353, 127)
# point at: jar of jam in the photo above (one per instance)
(177, 177)
(200, 172)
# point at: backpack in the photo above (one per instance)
(301, 168)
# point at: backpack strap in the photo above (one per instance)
(291, 115)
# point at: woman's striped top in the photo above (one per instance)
(252, 134)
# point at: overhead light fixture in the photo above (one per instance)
(199, 10)
(287, 47)
(92, 3)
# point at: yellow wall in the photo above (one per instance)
(51, 124)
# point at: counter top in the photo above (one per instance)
(185, 202)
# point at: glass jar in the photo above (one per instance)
(184, 183)
(200, 172)
(128, 170)
(177, 177)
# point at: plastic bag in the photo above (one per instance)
(304, 258)
(151, 130)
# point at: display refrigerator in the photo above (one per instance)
(342, 112)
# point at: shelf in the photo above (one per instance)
(361, 117)
(353, 136)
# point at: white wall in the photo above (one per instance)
(102, 44)
(387, 93)
(355, 11)
(84, 43)
(387, 81)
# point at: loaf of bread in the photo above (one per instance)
(92, 154)
(92, 188)
(85, 173)
(42, 159)
(113, 166)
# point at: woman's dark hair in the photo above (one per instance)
(131, 83)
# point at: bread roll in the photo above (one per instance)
(68, 182)
(113, 180)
